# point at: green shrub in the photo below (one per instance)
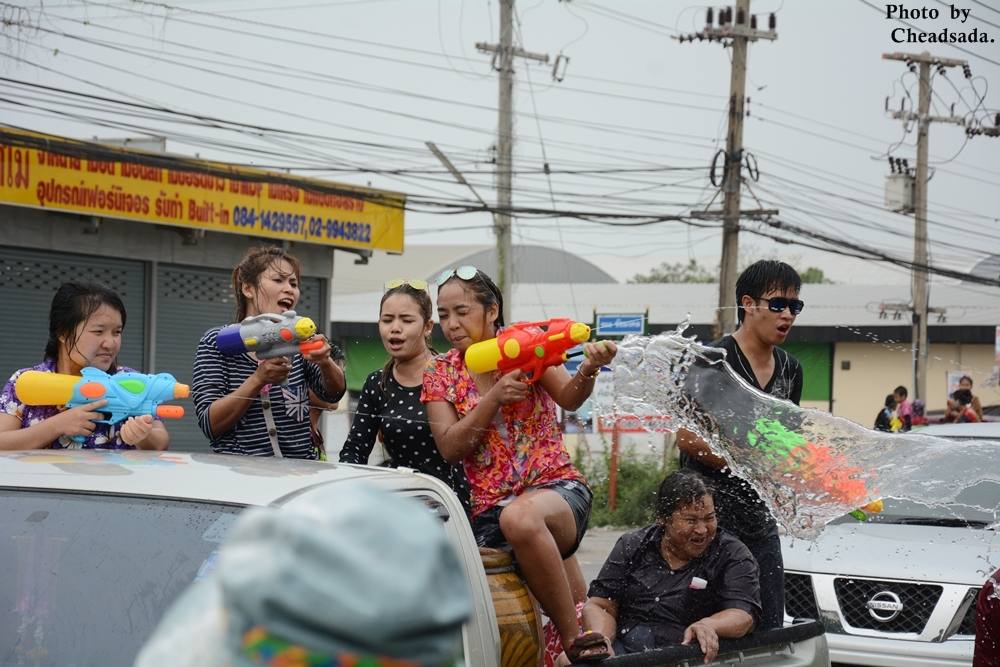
(639, 477)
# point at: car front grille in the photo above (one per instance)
(918, 602)
(800, 601)
(968, 626)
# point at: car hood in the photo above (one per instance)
(891, 551)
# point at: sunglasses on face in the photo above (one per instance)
(466, 272)
(415, 283)
(777, 304)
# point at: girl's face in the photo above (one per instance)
(277, 290)
(98, 340)
(402, 328)
(463, 319)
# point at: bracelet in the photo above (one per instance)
(592, 376)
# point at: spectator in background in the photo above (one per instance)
(987, 651)
(977, 407)
(883, 420)
(904, 409)
(348, 575)
(919, 413)
(960, 408)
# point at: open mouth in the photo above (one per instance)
(396, 343)
(286, 304)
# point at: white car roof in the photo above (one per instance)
(979, 430)
(238, 480)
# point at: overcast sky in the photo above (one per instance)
(397, 73)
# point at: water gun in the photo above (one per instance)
(269, 336)
(127, 394)
(816, 467)
(521, 346)
(863, 512)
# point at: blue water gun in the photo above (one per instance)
(127, 394)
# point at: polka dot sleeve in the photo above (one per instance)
(365, 426)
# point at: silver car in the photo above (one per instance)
(899, 587)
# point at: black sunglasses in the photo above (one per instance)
(777, 304)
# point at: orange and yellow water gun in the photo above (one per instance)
(527, 346)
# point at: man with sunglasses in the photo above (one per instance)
(767, 298)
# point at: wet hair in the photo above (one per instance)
(73, 304)
(890, 401)
(963, 396)
(248, 272)
(679, 489)
(763, 276)
(486, 291)
(964, 378)
(423, 301)
(901, 390)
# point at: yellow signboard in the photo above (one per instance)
(54, 173)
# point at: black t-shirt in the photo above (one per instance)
(656, 604)
(402, 418)
(738, 506)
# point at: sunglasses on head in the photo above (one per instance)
(466, 272)
(415, 283)
(777, 304)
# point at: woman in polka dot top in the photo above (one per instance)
(389, 406)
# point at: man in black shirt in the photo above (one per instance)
(678, 581)
(767, 297)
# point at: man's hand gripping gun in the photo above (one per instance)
(521, 346)
(269, 336)
(127, 394)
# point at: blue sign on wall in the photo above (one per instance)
(621, 324)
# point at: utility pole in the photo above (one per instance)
(503, 62)
(919, 273)
(736, 28)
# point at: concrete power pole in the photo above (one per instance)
(503, 62)
(725, 316)
(919, 273)
(738, 28)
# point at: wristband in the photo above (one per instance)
(591, 376)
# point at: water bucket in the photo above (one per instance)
(518, 616)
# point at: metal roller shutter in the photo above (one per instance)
(189, 301)
(29, 279)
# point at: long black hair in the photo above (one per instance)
(73, 304)
(423, 300)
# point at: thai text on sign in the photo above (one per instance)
(47, 172)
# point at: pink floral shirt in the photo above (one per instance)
(521, 449)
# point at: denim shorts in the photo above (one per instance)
(486, 526)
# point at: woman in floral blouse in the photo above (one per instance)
(526, 494)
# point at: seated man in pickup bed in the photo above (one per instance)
(674, 582)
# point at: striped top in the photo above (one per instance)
(217, 375)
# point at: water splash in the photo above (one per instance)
(808, 466)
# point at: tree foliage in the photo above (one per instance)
(677, 272)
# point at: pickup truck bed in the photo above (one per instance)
(801, 645)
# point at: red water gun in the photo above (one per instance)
(527, 346)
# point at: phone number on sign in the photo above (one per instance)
(313, 227)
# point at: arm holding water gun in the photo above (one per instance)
(536, 352)
(263, 367)
(85, 330)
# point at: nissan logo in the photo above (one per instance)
(884, 606)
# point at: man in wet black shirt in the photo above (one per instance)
(676, 581)
(767, 297)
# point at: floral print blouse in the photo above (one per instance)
(521, 449)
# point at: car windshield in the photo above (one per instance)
(976, 506)
(89, 576)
